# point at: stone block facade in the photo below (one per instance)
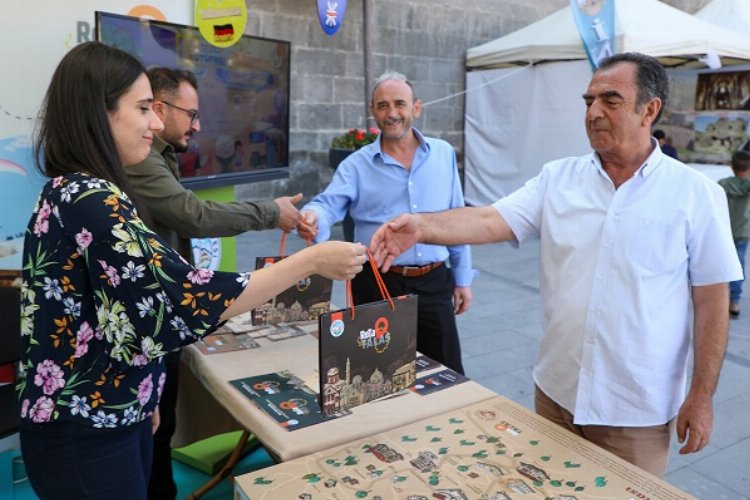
(424, 39)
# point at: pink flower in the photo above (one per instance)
(83, 337)
(139, 360)
(49, 377)
(84, 239)
(57, 181)
(111, 272)
(42, 410)
(41, 225)
(24, 408)
(200, 276)
(145, 388)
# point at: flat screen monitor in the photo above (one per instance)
(243, 92)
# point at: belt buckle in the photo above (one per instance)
(407, 269)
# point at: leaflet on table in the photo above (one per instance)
(271, 332)
(225, 342)
(284, 397)
(435, 382)
(424, 363)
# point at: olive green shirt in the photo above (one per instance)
(738, 197)
(178, 214)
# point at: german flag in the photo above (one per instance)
(223, 32)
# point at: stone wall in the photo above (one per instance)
(425, 39)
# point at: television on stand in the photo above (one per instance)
(243, 92)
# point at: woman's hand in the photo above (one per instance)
(338, 260)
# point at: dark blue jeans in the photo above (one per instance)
(71, 461)
(735, 287)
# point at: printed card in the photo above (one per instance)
(424, 363)
(226, 342)
(437, 382)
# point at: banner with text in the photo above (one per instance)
(595, 20)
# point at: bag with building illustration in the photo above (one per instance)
(367, 351)
(303, 301)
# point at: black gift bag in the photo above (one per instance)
(304, 301)
(367, 351)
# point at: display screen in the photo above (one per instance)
(243, 92)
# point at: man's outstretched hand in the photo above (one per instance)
(394, 238)
(289, 216)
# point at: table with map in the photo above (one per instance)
(491, 450)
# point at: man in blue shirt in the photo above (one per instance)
(664, 144)
(403, 171)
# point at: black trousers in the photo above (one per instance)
(67, 460)
(162, 485)
(437, 334)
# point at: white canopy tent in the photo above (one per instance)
(521, 113)
(730, 14)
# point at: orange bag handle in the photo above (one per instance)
(282, 245)
(378, 279)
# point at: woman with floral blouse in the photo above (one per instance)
(103, 297)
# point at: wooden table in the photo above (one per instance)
(300, 356)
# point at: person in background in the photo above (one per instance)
(177, 215)
(629, 237)
(105, 298)
(403, 171)
(665, 144)
(738, 196)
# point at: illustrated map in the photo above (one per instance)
(493, 450)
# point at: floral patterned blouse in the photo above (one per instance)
(103, 300)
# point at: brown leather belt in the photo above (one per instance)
(414, 271)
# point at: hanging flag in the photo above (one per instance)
(595, 20)
(331, 15)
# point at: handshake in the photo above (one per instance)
(388, 242)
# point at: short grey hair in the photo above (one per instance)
(651, 79)
(392, 75)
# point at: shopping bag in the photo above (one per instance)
(303, 301)
(367, 351)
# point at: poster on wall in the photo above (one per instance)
(727, 90)
(718, 135)
(707, 114)
(28, 56)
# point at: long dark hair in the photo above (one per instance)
(72, 132)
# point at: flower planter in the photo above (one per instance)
(336, 156)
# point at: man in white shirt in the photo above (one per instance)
(628, 238)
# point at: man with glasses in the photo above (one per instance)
(177, 215)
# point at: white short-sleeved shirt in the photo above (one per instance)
(616, 270)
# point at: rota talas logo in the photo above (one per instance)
(378, 337)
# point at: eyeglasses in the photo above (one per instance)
(192, 113)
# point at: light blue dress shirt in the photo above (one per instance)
(376, 188)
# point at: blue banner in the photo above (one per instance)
(595, 20)
(331, 15)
